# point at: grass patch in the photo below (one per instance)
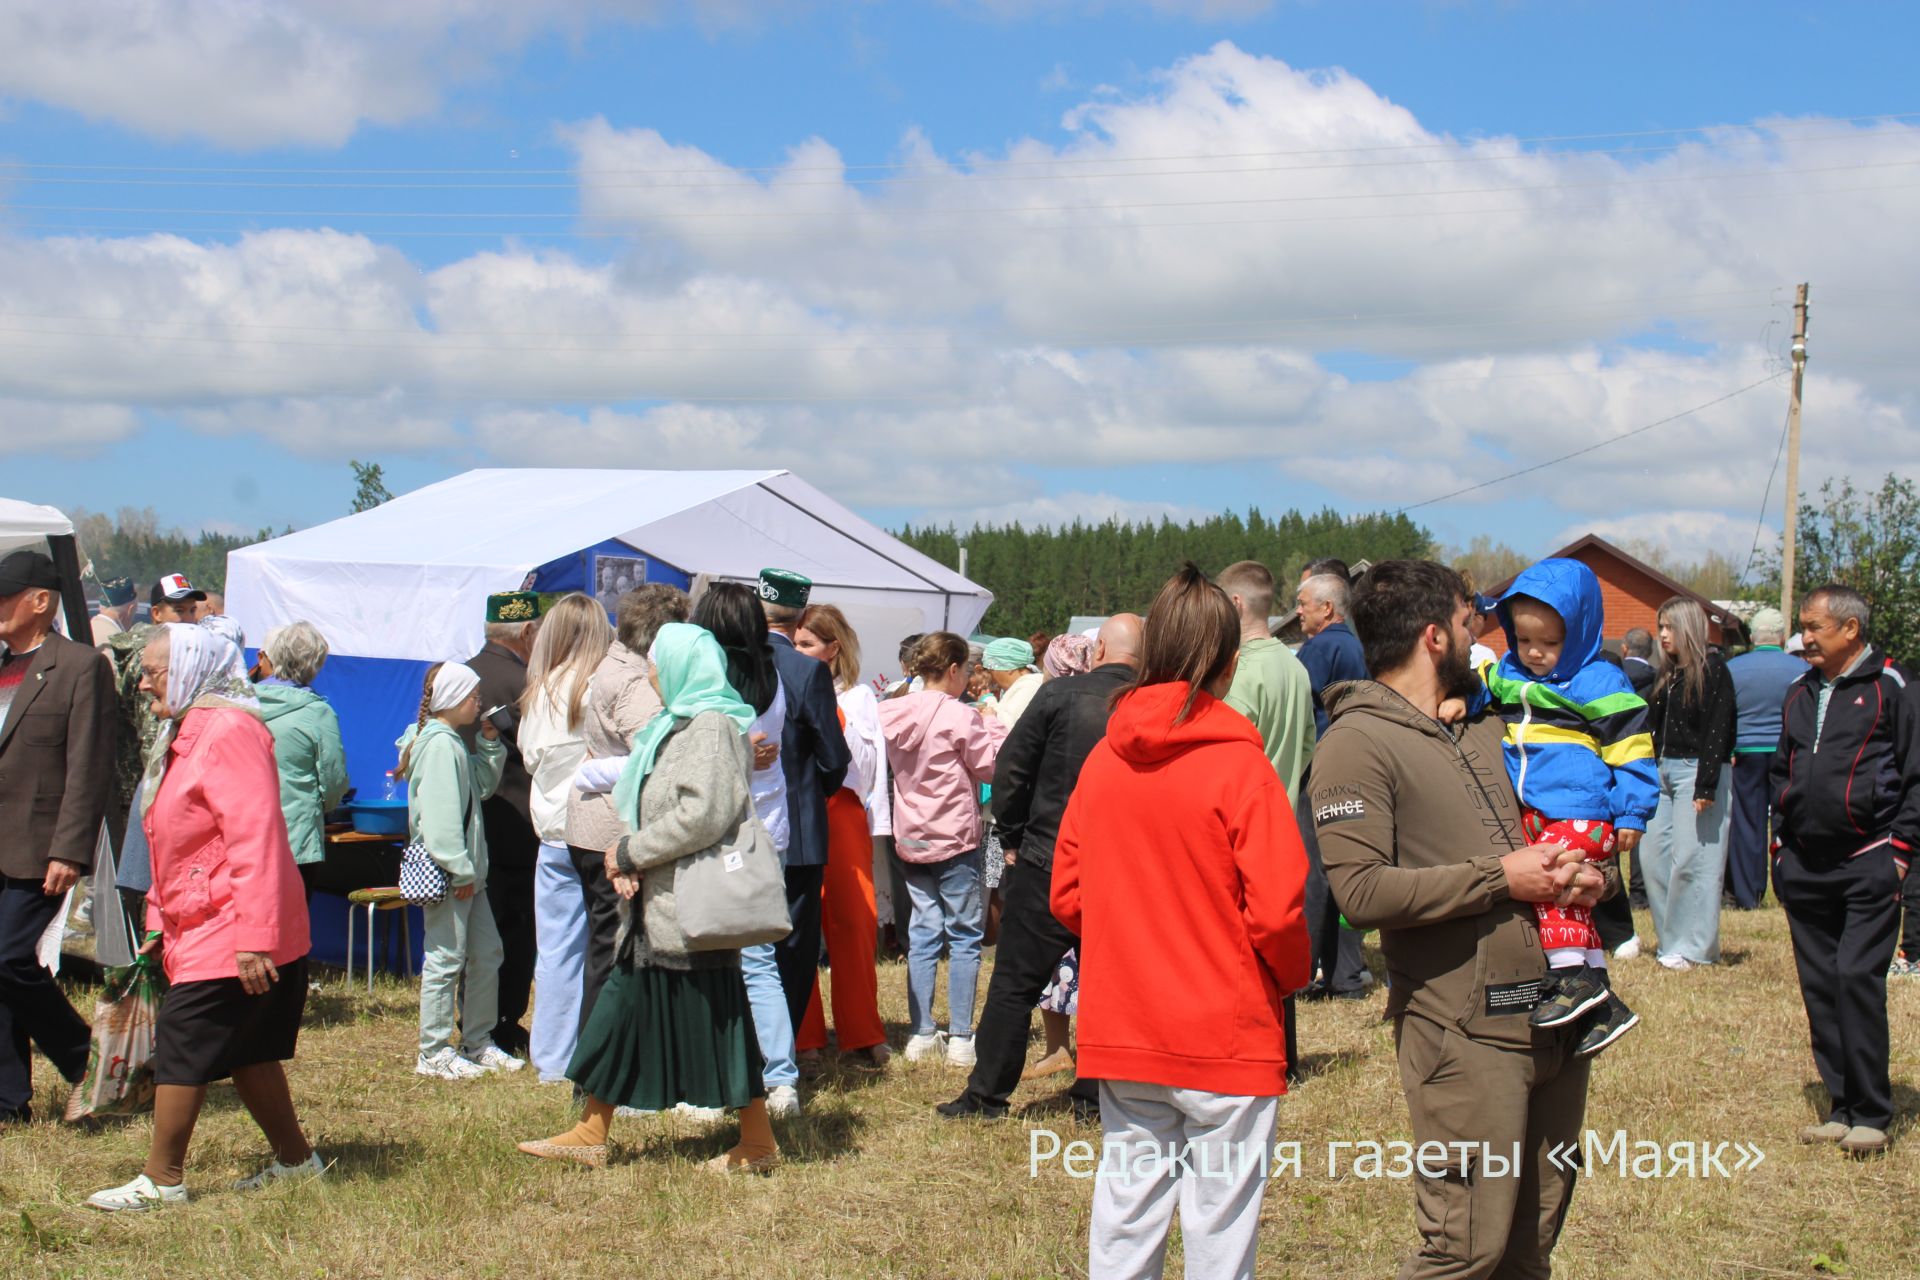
(427, 1182)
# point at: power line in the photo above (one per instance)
(946, 229)
(1113, 206)
(1766, 496)
(1601, 444)
(1885, 118)
(952, 175)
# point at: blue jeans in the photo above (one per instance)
(947, 908)
(1684, 859)
(559, 973)
(772, 1024)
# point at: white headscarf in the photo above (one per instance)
(452, 684)
(229, 628)
(204, 669)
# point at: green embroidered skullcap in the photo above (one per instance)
(1008, 655)
(785, 588)
(514, 606)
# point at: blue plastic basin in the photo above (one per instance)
(379, 817)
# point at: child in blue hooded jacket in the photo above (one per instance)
(1581, 759)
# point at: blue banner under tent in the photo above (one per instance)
(404, 585)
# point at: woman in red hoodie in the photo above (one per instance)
(1180, 868)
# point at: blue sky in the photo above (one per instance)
(225, 378)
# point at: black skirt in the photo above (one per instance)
(209, 1028)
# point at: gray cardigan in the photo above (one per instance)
(620, 701)
(696, 798)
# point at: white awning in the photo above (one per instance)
(409, 579)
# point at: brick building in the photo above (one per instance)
(1632, 592)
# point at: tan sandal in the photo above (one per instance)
(723, 1164)
(594, 1157)
(1054, 1063)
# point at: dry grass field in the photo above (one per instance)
(426, 1182)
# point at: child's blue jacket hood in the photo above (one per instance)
(1572, 591)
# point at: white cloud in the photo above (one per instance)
(909, 347)
(1686, 533)
(51, 426)
(248, 74)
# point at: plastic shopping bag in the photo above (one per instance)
(119, 1079)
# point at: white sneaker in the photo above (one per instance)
(960, 1051)
(700, 1115)
(926, 1046)
(138, 1196)
(632, 1113)
(312, 1167)
(494, 1058)
(1628, 950)
(447, 1064)
(1678, 964)
(783, 1100)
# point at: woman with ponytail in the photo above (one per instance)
(941, 750)
(445, 785)
(1180, 867)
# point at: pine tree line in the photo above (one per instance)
(1043, 576)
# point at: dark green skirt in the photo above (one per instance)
(661, 1036)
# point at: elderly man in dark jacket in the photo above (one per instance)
(1033, 779)
(1845, 787)
(56, 768)
(513, 847)
(814, 757)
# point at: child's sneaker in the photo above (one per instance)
(447, 1064)
(1609, 1023)
(1568, 994)
(926, 1046)
(1902, 967)
(494, 1058)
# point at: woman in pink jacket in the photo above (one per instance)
(228, 908)
(940, 750)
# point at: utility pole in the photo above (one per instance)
(963, 562)
(1788, 549)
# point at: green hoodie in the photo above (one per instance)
(444, 781)
(313, 764)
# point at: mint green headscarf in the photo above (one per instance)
(692, 671)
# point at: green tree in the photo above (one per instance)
(370, 486)
(132, 544)
(1485, 562)
(1042, 577)
(1870, 542)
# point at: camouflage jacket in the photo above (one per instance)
(138, 725)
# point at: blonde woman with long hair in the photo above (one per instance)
(574, 636)
(1683, 858)
(856, 813)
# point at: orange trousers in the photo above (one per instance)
(851, 927)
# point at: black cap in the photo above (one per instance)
(117, 591)
(174, 588)
(26, 569)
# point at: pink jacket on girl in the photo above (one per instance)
(940, 750)
(223, 874)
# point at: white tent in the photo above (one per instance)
(34, 527)
(409, 579)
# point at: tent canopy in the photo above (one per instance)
(409, 579)
(26, 524)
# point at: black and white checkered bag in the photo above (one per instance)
(422, 881)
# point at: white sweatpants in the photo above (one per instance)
(1228, 1143)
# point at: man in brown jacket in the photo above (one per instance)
(56, 767)
(1420, 832)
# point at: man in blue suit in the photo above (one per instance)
(814, 757)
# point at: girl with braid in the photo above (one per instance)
(445, 785)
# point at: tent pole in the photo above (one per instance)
(65, 551)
